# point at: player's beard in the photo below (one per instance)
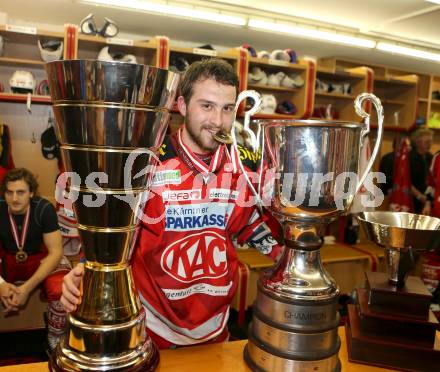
(200, 135)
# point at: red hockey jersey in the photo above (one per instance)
(185, 264)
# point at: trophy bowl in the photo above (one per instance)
(401, 230)
(401, 234)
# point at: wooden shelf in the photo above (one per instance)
(394, 102)
(274, 116)
(396, 81)
(22, 98)
(23, 33)
(149, 44)
(339, 73)
(203, 52)
(20, 61)
(435, 102)
(335, 95)
(390, 128)
(276, 63)
(424, 100)
(272, 88)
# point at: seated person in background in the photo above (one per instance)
(7, 291)
(30, 248)
(419, 161)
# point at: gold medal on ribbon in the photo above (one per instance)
(21, 256)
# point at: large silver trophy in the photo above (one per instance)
(111, 119)
(307, 167)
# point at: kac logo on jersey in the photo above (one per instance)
(197, 256)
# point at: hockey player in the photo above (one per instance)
(30, 249)
(185, 264)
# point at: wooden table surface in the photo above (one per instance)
(225, 357)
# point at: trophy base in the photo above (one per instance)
(146, 360)
(386, 353)
(260, 360)
(411, 300)
(394, 327)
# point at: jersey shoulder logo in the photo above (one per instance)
(249, 159)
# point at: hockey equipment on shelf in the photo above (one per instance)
(206, 46)
(280, 55)
(43, 88)
(292, 54)
(88, 27)
(321, 86)
(257, 76)
(342, 88)
(104, 55)
(274, 80)
(327, 112)
(292, 81)
(250, 50)
(50, 50)
(22, 82)
(268, 104)
(179, 64)
(286, 108)
(263, 54)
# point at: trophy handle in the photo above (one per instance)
(253, 139)
(360, 111)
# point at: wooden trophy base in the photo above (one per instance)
(383, 330)
(394, 327)
(411, 300)
(387, 354)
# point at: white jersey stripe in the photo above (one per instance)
(184, 336)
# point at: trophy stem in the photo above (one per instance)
(111, 325)
(295, 321)
(399, 262)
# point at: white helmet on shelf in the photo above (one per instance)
(22, 82)
(280, 55)
(275, 80)
(257, 76)
(268, 104)
(50, 50)
(104, 55)
(292, 81)
(263, 54)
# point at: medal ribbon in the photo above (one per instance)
(20, 243)
(195, 160)
(198, 164)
